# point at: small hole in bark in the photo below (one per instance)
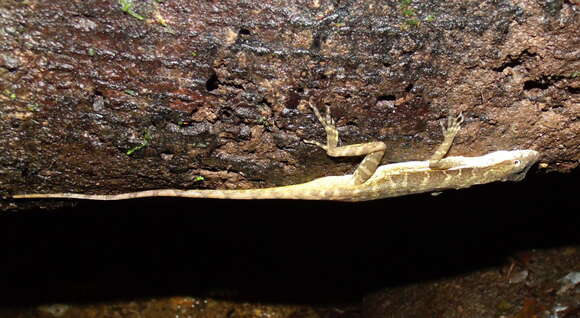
(226, 113)
(528, 85)
(244, 32)
(317, 41)
(211, 83)
(383, 98)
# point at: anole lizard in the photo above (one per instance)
(370, 181)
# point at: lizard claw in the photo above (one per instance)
(316, 112)
(329, 121)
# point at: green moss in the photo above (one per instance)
(412, 21)
(408, 12)
(199, 145)
(130, 92)
(33, 107)
(264, 122)
(143, 144)
(127, 7)
(199, 178)
(10, 94)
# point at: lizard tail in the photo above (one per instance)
(250, 194)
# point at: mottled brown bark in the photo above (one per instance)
(215, 88)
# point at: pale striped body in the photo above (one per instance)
(369, 181)
(388, 181)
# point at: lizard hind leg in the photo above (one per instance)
(374, 151)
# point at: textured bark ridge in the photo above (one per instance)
(108, 97)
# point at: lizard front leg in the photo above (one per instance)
(449, 132)
(374, 151)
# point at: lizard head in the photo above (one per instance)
(516, 163)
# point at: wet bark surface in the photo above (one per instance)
(97, 97)
(110, 97)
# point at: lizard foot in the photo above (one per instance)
(329, 126)
(327, 120)
(453, 125)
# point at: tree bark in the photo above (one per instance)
(103, 98)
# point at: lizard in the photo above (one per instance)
(369, 181)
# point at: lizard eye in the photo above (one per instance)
(517, 162)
